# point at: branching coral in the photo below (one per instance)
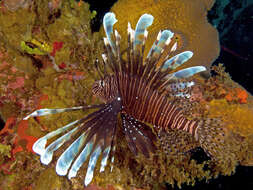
(187, 18)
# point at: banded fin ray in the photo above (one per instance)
(139, 136)
(46, 111)
(92, 138)
(108, 21)
(151, 73)
(177, 60)
(40, 144)
(181, 74)
(112, 56)
(47, 156)
(91, 166)
(143, 23)
(88, 121)
(102, 127)
(139, 39)
(157, 51)
(80, 160)
(130, 41)
(67, 157)
(146, 71)
(163, 39)
(102, 138)
(186, 73)
(161, 74)
(105, 158)
(131, 34)
(112, 158)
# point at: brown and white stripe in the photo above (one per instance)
(148, 105)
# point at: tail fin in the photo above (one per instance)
(211, 136)
(175, 141)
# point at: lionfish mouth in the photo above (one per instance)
(94, 135)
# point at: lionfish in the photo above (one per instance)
(135, 93)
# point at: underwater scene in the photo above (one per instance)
(126, 94)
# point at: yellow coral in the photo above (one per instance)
(187, 18)
(44, 181)
(239, 117)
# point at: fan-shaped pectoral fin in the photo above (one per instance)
(139, 136)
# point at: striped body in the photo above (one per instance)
(144, 103)
(135, 89)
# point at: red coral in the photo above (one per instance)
(30, 140)
(62, 65)
(21, 135)
(56, 47)
(8, 128)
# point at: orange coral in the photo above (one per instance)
(242, 95)
(229, 97)
(237, 94)
(187, 18)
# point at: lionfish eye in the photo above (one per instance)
(101, 83)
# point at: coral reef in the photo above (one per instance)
(40, 65)
(35, 38)
(186, 18)
(31, 45)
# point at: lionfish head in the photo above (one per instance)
(105, 89)
(98, 89)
